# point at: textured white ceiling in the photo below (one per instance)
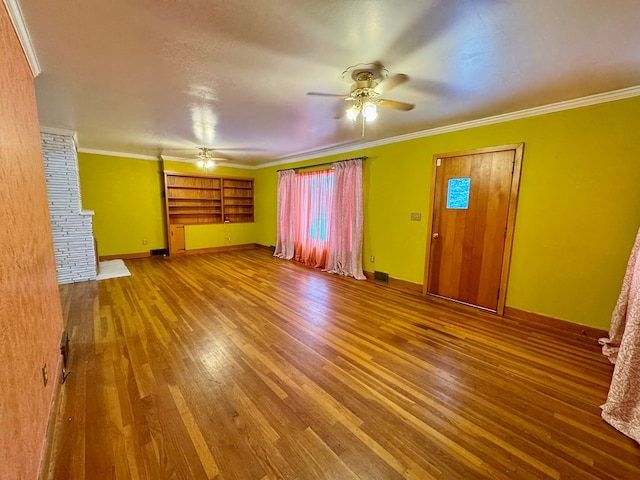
(153, 77)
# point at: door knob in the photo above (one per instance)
(435, 235)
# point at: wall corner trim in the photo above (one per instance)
(15, 13)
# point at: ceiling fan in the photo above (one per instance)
(206, 158)
(370, 82)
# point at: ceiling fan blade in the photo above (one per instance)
(213, 153)
(237, 149)
(318, 94)
(396, 105)
(390, 83)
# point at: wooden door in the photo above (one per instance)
(176, 239)
(473, 214)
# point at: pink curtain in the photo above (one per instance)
(314, 206)
(622, 408)
(347, 226)
(320, 218)
(286, 214)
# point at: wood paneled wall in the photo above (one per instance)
(30, 312)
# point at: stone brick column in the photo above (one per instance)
(72, 227)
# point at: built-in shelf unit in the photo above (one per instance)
(193, 199)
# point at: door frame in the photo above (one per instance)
(518, 149)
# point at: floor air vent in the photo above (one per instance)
(158, 251)
(381, 276)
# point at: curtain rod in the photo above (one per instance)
(322, 164)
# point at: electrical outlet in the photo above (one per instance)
(372, 259)
(416, 217)
(144, 242)
(45, 375)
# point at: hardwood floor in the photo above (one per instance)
(241, 366)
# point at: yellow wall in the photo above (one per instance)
(126, 195)
(577, 214)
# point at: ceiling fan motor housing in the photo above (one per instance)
(364, 86)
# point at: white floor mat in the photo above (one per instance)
(113, 269)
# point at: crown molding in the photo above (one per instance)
(15, 13)
(311, 154)
(177, 159)
(119, 154)
(505, 117)
(158, 158)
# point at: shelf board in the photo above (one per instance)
(191, 187)
(199, 199)
(202, 208)
(202, 212)
(191, 222)
(198, 212)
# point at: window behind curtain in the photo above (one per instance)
(314, 193)
(320, 218)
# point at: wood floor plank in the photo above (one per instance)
(207, 460)
(237, 365)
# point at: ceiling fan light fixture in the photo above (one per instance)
(206, 164)
(370, 82)
(352, 112)
(370, 111)
(206, 160)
